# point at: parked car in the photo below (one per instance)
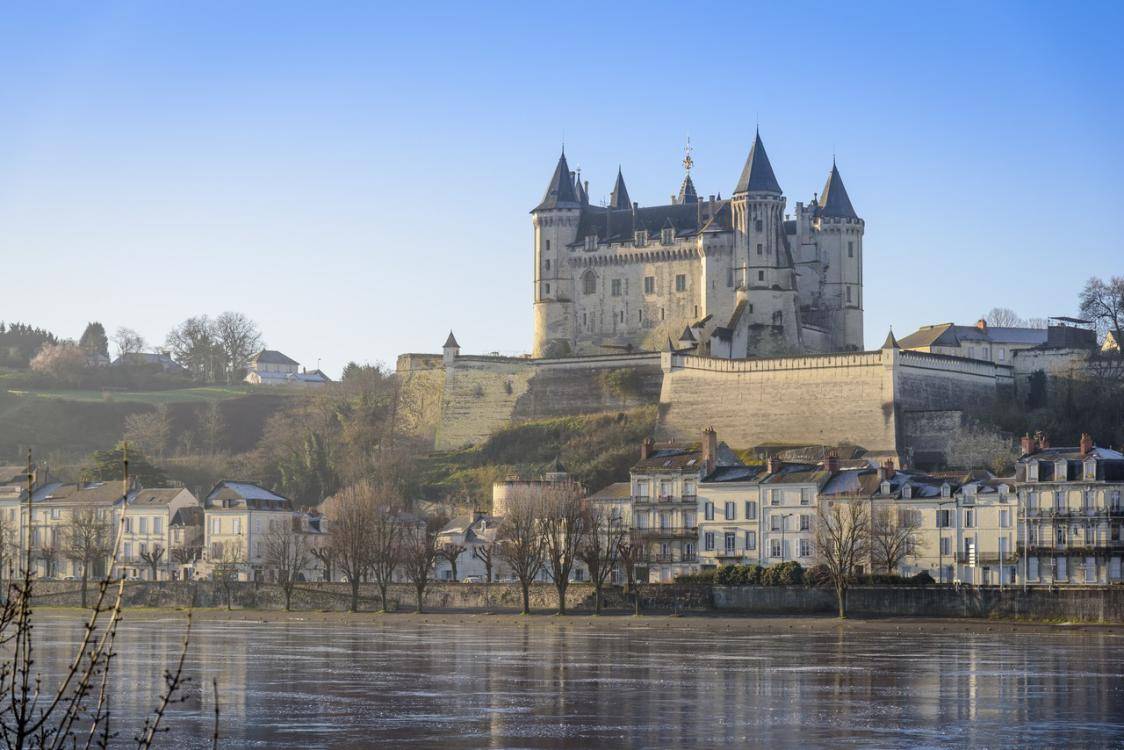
(473, 579)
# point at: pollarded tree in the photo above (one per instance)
(153, 556)
(520, 540)
(600, 550)
(893, 537)
(451, 552)
(287, 555)
(88, 542)
(843, 542)
(419, 551)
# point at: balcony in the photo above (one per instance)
(673, 558)
(669, 532)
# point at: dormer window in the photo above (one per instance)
(1091, 470)
(590, 242)
(641, 237)
(1061, 472)
(885, 488)
(1004, 491)
(969, 494)
(907, 492)
(1032, 471)
(946, 491)
(667, 235)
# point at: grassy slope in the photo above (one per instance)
(202, 394)
(596, 449)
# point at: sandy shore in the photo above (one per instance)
(612, 620)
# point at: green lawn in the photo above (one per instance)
(175, 396)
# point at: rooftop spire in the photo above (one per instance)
(619, 199)
(560, 191)
(687, 192)
(834, 202)
(890, 342)
(757, 175)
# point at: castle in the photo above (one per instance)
(731, 278)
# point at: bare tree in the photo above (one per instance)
(153, 556)
(386, 546)
(128, 342)
(487, 552)
(1004, 317)
(185, 554)
(89, 541)
(287, 554)
(842, 543)
(563, 532)
(1103, 303)
(451, 552)
(419, 551)
(600, 549)
(520, 543)
(212, 428)
(150, 431)
(226, 568)
(630, 551)
(351, 514)
(64, 362)
(893, 537)
(192, 344)
(325, 554)
(238, 338)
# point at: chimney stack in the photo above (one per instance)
(646, 448)
(1027, 444)
(887, 469)
(775, 464)
(1086, 444)
(831, 463)
(1042, 440)
(710, 449)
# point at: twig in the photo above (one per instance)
(215, 734)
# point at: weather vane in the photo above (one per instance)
(688, 162)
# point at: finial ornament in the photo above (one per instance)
(688, 162)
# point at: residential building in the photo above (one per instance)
(1072, 512)
(150, 520)
(157, 360)
(476, 536)
(998, 344)
(237, 518)
(729, 516)
(271, 367)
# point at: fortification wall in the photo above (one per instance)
(828, 399)
(463, 403)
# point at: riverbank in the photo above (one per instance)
(615, 620)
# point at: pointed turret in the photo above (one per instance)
(834, 201)
(687, 192)
(890, 342)
(619, 199)
(579, 190)
(757, 175)
(560, 192)
(451, 341)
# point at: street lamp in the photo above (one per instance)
(784, 522)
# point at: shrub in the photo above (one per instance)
(817, 575)
(922, 579)
(789, 573)
(706, 576)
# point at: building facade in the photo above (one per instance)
(732, 277)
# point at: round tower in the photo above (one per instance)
(841, 241)
(555, 223)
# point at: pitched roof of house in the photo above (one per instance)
(245, 494)
(192, 515)
(757, 174)
(834, 201)
(952, 335)
(615, 491)
(272, 357)
(156, 496)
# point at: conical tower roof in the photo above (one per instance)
(687, 192)
(890, 342)
(834, 201)
(560, 192)
(619, 199)
(757, 175)
(451, 341)
(579, 191)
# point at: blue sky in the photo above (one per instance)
(357, 178)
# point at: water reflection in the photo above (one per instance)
(305, 685)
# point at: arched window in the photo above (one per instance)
(589, 282)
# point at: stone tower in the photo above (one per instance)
(841, 240)
(762, 261)
(555, 222)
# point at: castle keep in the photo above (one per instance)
(731, 278)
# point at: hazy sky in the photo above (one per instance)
(357, 177)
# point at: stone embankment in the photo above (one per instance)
(1094, 604)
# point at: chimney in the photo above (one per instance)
(831, 463)
(1086, 444)
(710, 449)
(981, 324)
(775, 464)
(646, 448)
(887, 469)
(1042, 440)
(1027, 444)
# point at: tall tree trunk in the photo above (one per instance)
(453, 565)
(841, 598)
(85, 578)
(597, 599)
(526, 597)
(561, 586)
(288, 598)
(354, 580)
(421, 596)
(382, 595)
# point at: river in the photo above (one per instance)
(471, 685)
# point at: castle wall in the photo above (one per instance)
(827, 399)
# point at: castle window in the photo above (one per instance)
(666, 236)
(729, 278)
(622, 315)
(760, 248)
(584, 320)
(661, 313)
(681, 283)
(615, 286)
(591, 242)
(751, 309)
(758, 225)
(548, 265)
(848, 294)
(548, 246)
(850, 249)
(641, 237)
(649, 285)
(760, 275)
(640, 315)
(548, 288)
(589, 283)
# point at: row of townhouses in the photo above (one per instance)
(168, 533)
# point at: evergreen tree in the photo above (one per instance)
(106, 466)
(94, 340)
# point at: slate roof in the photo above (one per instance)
(154, 497)
(687, 193)
(834, 201)
(890, 342)
(757, 174)
(952, 335)
(189, 516)
(615, 491)
(451, 341)
(245, 495)
(560, 191)
(272, 357)
(613, 225)
(619, 198)
(678, 458)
